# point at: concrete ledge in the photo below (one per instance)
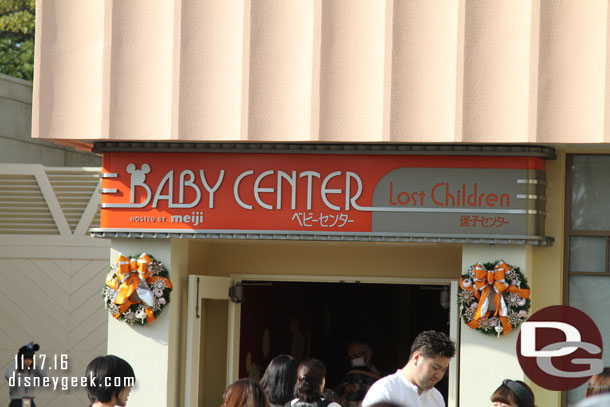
(15, 89)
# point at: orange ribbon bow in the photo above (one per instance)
(484, 281)
(131, 283)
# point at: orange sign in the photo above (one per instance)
(314, 193)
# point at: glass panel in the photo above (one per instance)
(590, 295)
(590, 192)
(587, 254)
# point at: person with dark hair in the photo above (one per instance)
(279, 379)
(244, 393)
(359, 379)
(22, 376)
(109, 381)
(513, 393)
(330, 395)
(311, 379)
(413, 385)
(599, 383)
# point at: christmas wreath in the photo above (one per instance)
(137, 289)
(510, 292)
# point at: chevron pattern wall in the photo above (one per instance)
(50, 284)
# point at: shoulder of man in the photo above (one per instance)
(383, 390)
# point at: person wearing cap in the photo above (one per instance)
(513, 393)
(20, 375)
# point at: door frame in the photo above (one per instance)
(202, 287)
(454, 321)
(234, 319)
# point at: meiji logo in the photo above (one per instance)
(560, 348)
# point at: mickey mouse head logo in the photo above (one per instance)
(138, 176)
(138, 179)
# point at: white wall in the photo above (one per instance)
(51, 272)
(51, 294)
(487, 360)
(146, 348)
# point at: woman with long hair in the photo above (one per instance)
(279, 379)
(310, 385)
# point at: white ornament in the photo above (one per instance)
(141, 314)
(499, 329)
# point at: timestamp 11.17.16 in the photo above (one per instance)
(42, 361)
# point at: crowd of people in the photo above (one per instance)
(288, 383)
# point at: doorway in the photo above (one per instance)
(319, 319)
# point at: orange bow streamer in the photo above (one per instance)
(131, 283)
(485, 280)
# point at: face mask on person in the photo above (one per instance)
(358, 362)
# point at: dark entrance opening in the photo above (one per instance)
(319, 319)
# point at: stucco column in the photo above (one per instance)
(486, 360)
(146, 347)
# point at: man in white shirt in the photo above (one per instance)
(413, 385)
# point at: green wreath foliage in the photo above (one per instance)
(517, 306)
(136, 313)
